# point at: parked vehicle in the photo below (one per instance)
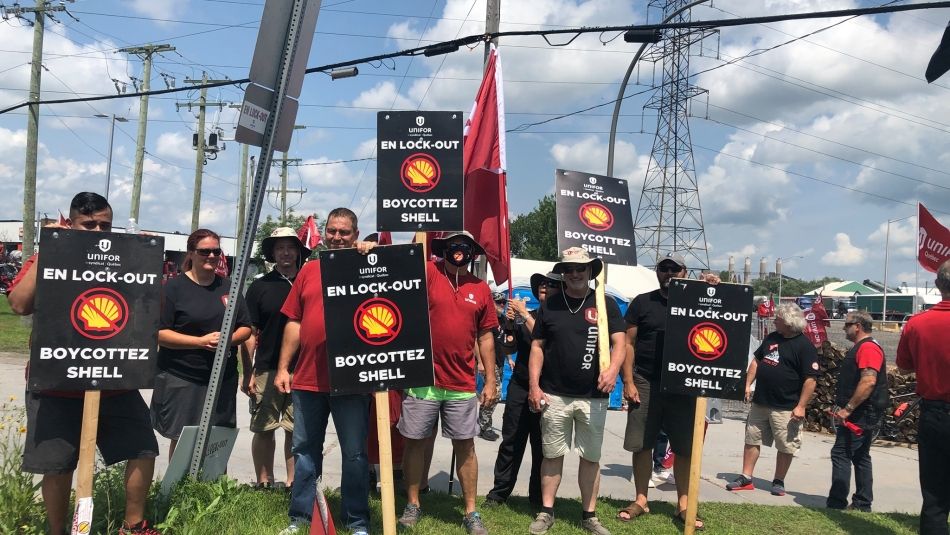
(898, 305)
(7, 274)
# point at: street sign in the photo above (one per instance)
(98, 300)
(706, 346)
(265, 70)
(593, 212)
(419, 172)
(378, 330)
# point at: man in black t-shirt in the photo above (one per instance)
(784, 370)
(270, 409)
(519, 423)
(651, 410)
(567, 383)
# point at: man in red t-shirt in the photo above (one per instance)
(461, 315)
(923, 349)
(310, 389)
(861, 397)
(54, 418)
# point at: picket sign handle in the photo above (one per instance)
(387, 489)
(603, 336)
(695, 466)
(82, 518)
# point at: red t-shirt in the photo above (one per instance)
(305, 304)
(870, 355)
(455, 319)
(23, 271)
(923, 348)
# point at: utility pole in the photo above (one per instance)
(285, 162)
(242, 193)
(145, 52)
(33, 119)
(200, 145)
(492, 22)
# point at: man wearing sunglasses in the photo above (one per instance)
(54, 418)
(568, 386)
(461, 315)
(650, 410)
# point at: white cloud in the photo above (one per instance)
(383, 96)
(166, 9)
(902, 239)
(589, 154)
(844, 254)
(175, 145)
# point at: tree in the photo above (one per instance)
(534, 234)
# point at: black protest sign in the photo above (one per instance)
(706, 347)
(419, 171)
(377, 319)
(98, 300)
(593, 212)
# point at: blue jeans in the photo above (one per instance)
(312, 412)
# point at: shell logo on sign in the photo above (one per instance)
(595, 216)
(99, 313)
(707, 341)
(420, 172)
(377, 321)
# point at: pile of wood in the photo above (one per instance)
(900, 387)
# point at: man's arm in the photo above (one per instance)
(808, 388)
(630, 392)
(535, 363)
(861, 393)
(176, 340)
(248, 384)
(288, 348)
(486, 352)
(750, 378)
(240, 335)
(23, 294)
(618, 353)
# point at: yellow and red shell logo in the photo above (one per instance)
(595, 216)
(99, 313)
(377, 321)
(420, 172)
(707, 341)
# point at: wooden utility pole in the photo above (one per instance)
(144, 52)
(200, 146)
(242, 194)
(492, 23)
(33, 118)
(285, 163)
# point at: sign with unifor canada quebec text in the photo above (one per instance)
(706, 347)
(377, 319)
(593, 212)
(97, 307)
(419, 171)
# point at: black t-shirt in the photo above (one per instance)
(648, 313)
(783, 366)
(523, 349)
(264, 299)
(195, 310)
(571, 355)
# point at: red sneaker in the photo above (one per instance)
(740, 483)
(142, 528)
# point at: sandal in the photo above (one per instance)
(632, 511)
(680, 519)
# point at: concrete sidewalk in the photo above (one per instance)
(895, 467)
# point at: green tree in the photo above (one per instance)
(534, 234)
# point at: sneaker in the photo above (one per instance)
(142, 528)
(778, 488)
(410, 516)
(492, 503)
(296, 527)
(661, 476)
(651, 484)
(473, 524)
(489, 434)
(592, 525)
(740, 483)
(542, 523)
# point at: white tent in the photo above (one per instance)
(626, 281)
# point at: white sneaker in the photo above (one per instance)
(296, 527)
(651, 484)
(662, 476)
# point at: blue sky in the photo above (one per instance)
(804, 150)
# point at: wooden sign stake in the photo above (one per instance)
(82, 518)
(387, 490)
(695, 466)
(603, 336)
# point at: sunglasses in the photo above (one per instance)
(464, 247)
(208, 252)
(850, 323)
(573, 269)
(668, 269)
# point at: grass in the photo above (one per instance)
(14, 335)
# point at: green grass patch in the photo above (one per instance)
(14, 334)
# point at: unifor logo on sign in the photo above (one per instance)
(104, 245)
(420, 120)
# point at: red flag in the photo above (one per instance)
(309, 234)
(322, 523)
(62, 219)
(816, 322)
(766, 308)
(385, 238)
(221, 269)
(933, 240)
(484, 166)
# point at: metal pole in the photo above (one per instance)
(109, 158)
(887, 240)
(32, 133)
(623, 88)
(283, 190)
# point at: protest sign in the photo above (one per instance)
(98, 300)
(419, 171)
(593, 212)
(378, 331)
(706, 346)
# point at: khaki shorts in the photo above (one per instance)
(765, 424)
(271, 408)
(584, 418)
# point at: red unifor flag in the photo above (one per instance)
(816, 323)
(933, 240)
(484, 168)
(221, 269)
(385, 238)
(309, 234)
(62, 219)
